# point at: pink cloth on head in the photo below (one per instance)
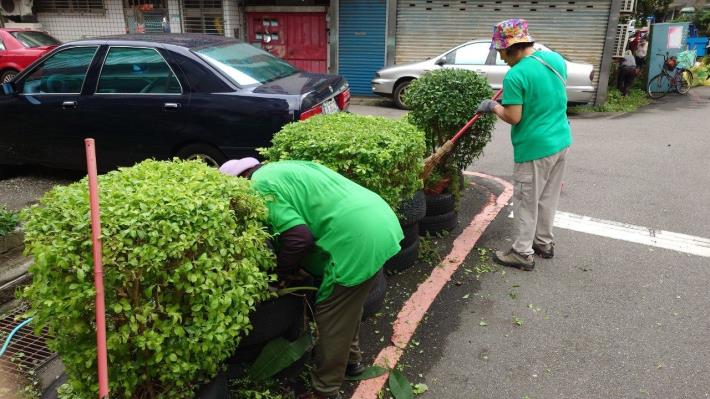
(235, 167)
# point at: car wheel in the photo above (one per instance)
(398, 94)
(7, 76)
(206, 153)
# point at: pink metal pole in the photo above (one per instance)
(98, 268)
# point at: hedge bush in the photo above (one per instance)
(441, 102)
(185, 260)
(380, 154)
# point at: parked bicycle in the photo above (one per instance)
(670, 78)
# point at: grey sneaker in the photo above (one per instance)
(544, 251)
(511, 258)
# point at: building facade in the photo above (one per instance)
(351, 37)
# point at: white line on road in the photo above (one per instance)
(631, 233)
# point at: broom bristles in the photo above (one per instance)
(434, 159)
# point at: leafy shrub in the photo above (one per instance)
(381, 154)
(441, 103)
(8, 221)
(185, 260)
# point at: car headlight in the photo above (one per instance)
(377, 75)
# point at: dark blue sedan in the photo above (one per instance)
(159, 96)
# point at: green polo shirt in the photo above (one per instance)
(355, 230)
(544, 128)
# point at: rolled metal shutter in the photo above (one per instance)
(361, 50)
(203, 16)
(577, 29)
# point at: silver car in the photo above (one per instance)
(476, 56)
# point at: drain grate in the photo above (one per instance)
(26, 353)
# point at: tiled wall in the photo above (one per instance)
(232, 19)
(175, 16)
(74, 26)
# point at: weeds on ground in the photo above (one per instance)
(8, 220)
(245, 388)
(616, 103)
(428, 251)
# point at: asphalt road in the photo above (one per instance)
(606, 318)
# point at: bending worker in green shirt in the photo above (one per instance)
(336, 230)
(535, 104)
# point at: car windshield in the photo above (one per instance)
(32, 39)
(245, 64)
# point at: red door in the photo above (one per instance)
(299, 38)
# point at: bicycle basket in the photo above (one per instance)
(686, 59)
(670, 64)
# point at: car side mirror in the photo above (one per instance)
(8, 89)
(441, 61)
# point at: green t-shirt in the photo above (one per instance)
(544, 128)
(355, 230)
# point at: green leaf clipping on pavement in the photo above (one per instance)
(400, 386)
(277, 355)
(369, 373)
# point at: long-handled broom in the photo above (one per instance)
(441, 152)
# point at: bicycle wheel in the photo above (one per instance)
(684, 81)
(658, 86)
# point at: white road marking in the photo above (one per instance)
(637, 234)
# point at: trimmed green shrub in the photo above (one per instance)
(8, 221)
(380, 154)
(185, 260)
(441, 102)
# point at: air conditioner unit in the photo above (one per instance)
(16, 7)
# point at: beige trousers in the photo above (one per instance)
(338, 322)
(537, 192)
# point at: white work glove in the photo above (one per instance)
(487, 106)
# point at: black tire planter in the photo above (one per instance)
(412, 210)
(376, 297)
(439, 204)
(411, 234)
(433, 225)
(404, 259)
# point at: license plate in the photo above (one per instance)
(330, 107)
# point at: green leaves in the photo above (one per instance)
(8, 220)
(369, 373)
(185, 260)
(380, 154)
(277, 355)
(400, 386)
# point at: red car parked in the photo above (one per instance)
(19, 48)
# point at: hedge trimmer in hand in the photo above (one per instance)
(434, 159)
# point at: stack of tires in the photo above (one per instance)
(441, 214)
(411, 212)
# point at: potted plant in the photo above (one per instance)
(441, 102)
(185, 262)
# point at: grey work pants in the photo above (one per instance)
(537, 192)
(338, 321)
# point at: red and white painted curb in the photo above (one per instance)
(416, 306)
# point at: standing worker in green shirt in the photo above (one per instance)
(535, 104)
(336, 230)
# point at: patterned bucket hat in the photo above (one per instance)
(510, 32)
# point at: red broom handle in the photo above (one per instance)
(475, 118)
(98, 268)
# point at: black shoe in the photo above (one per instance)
(544, 251)
(354, 369)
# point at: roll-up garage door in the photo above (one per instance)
(362, 42)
